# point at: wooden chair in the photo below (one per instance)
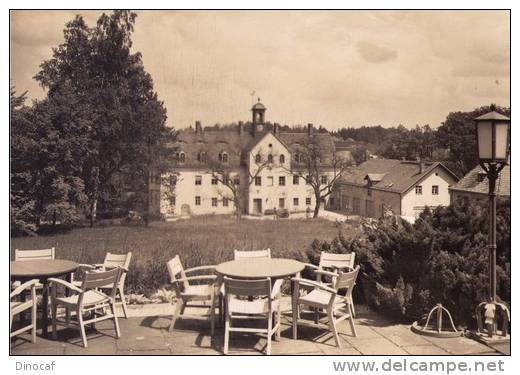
(24, 255)
(260, 308)
(252, 254)
(17, 307)
(327, 299)
(333, 262)
(88, 299)
(112, 261)
(187, 293)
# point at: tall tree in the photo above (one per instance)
(128, 120)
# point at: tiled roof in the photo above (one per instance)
(394, 175)
(476, 182)
(237, 145)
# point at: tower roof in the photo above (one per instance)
(258, 106)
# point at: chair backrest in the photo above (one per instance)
(118, 260)
(330, 260)
(259, 287)
(346, 280)
(176, 271)
(22, 255)
(92, 280)
(266, 253)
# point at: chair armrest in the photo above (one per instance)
(312, 266)
(200, 268)
(326, 273)
(276, 288)
(342, 268)
(27, 285)
(66, 284)
(314, 284)
(200, 277)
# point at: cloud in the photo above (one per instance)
(375, 54)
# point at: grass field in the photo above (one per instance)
(199, 241)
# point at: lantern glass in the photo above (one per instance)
(501, 140)
(484, 131)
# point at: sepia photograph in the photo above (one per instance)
(261, 182)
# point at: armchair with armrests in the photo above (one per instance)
(326, 299)
(187, 292)
(18, 307)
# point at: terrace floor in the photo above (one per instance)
(148, 335)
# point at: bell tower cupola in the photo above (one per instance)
(258, 111)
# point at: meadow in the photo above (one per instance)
(199, 241)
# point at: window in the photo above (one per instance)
(197, 201)
(182, 157)
(435, 189)
(225, 202)
(270, 181)
(281, 180)
(308, 201)
(296, 180)
(281, 202)
(297, 158)
(214, 202)
(356, 203)
(369, 192)
(223, 157)
(282, 159)
(295, 201)
(236, 180)
(172, 201)
(308, 180)
(201, 157)
(214, 181)
(198, 180)
(324, 180)
(258, 181)
(369, 208)
(258, 158)
(418, 190)
(270, 158)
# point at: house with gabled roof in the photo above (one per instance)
(405, 188)
(241, 151)
(475, 185)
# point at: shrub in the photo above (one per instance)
(442, 258)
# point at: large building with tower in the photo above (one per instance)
(258, 157)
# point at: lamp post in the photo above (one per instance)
(492, 142)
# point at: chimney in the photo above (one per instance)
(421, 165)
(198, 127)
(276, 129)
(309, 129)
(240, 127)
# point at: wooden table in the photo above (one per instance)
(259, 268)
(43, 270)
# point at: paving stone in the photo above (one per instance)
(378, 346)
(40, 351)
(401, 335)
(96, 346)
(132, 342)
(504, 348)
(143, 352)
(339, 351)
(460, 345)
(425, 350)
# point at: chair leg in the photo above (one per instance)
(54, 312)
(116, 323)
(333, 328)
(82, 328)
(351, 321)
(295, 315)
(279, 322)
(352, 310)
(269, 332)
(33, 320)
(226, 334)
(179, 306)
(212, 313)
(123, 301)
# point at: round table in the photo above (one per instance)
(259, 268)
(42, 270)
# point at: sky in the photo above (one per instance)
(329, 68)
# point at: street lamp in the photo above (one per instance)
(492, 141)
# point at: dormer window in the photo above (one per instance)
(182, 157)
(223, 157)
(202, 157)
(258, 158)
